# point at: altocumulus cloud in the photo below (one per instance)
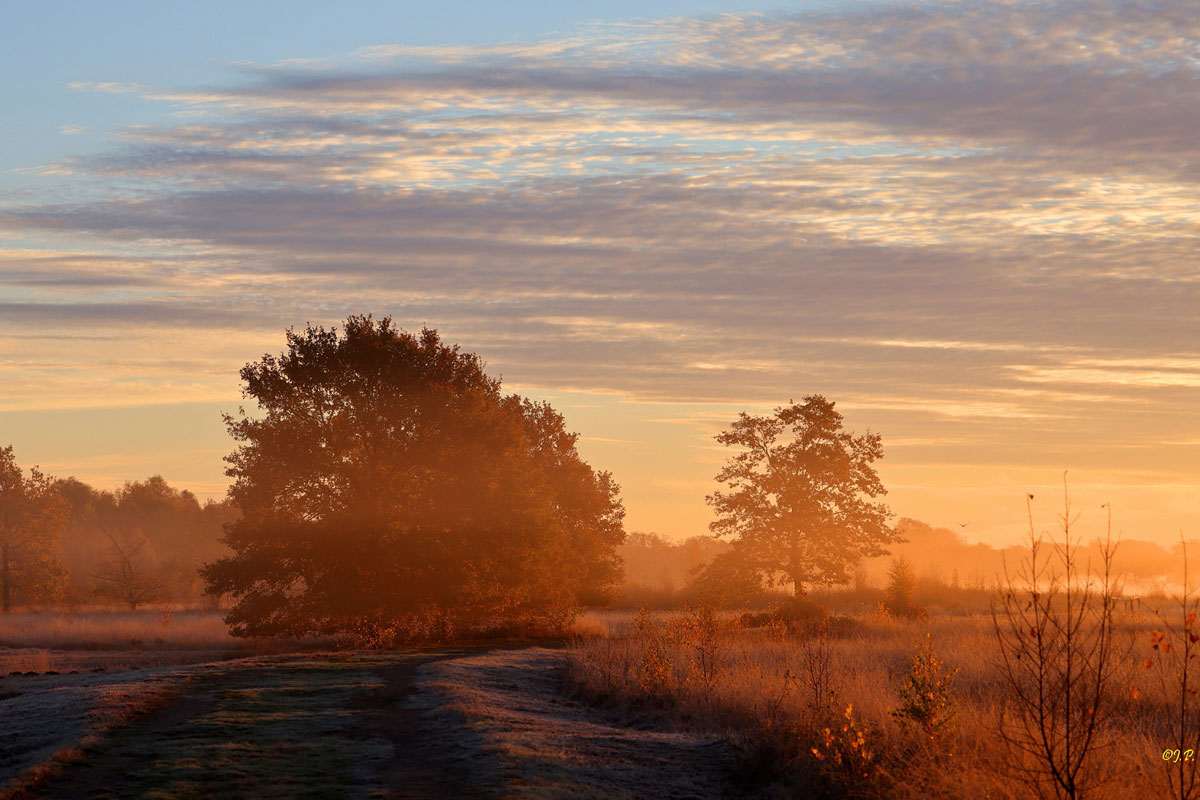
(925, 210)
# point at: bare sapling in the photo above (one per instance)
(773, 704)
(816, 663)
(125, 576)
(1054, 624)
(1174, 648)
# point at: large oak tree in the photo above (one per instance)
(801, 496)
(388, 480)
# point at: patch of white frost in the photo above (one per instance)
(522, 730)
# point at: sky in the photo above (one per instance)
(971, 224)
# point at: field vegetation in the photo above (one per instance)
(115, 639)
(107, 628)
(872, 705)
(1051, 685)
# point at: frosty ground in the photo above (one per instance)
(439, 723)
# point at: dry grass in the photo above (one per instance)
(107, 629)
(760, 692)
(590, 625)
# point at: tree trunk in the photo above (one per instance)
(798, 577)
(5, 578)
(797, 570)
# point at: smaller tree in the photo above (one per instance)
(926, 696)
(801, 496)
(127, 575)
(1054, 624)
(901, 589)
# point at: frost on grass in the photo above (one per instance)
(286, 726)
(521, 732)
(45, 716)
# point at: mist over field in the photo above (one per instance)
(672, 399)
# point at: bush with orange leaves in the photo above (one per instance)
(845, 749)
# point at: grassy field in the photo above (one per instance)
(115, 639)
(809, 707)
(816, 712)
(106, 628)
(105, 639)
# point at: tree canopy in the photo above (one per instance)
(801, 494)
(388, 481)
(143, 542)
(31, 520)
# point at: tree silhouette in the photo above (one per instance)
(901, 589)
(801, 497)
(171, 533)
(125, 575)
(389, 481)
(31, 518)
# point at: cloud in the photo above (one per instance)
(977, 214)
(106, 87)
(1117, 377)
(1077, 78)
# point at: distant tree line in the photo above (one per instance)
(384, 486)
(659, 573)
(62, 541)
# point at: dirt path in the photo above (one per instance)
(537, 743)
(451, 724)
(305, 726)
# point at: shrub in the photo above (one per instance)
(802, 611)
(846, 751)
(653, 669)
(816, 658)
(901, 591)
(925, 696)
(701, 634)
(802, 616)
(840, 626)
(756, 620)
